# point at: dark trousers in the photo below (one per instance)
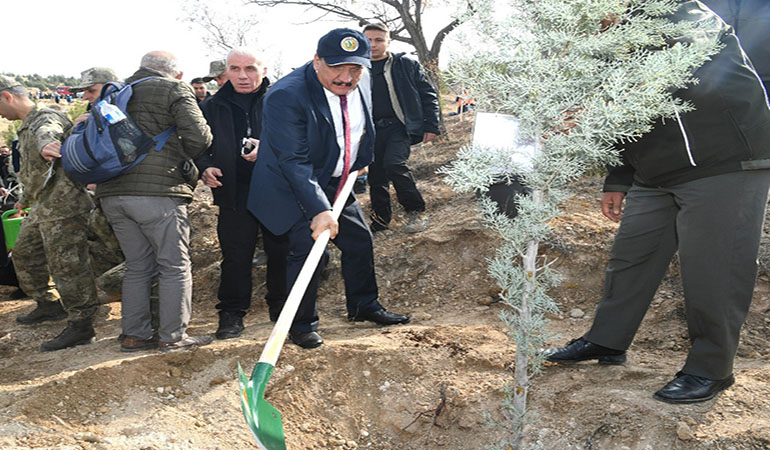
(714, 223)
(355, 242)
(238, 230)
(391, 151)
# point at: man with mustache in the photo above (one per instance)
(316, 129)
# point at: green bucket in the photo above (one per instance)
(11, 227)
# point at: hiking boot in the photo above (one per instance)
(78, 332)
(185, 342)
(230, 325)
(130, 344)
(416, 221)
(44, 311)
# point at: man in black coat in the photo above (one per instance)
(696, 185)
(406, 111)
(234, 114)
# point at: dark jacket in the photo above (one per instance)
(225, 150)
(728, 131)
(156, 105)
(416, 103)
(298, 152)
(751, 21)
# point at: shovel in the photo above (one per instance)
(263, 419)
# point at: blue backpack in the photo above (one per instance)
(109, 142)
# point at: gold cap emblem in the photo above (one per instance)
(349, 44)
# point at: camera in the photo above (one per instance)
(247, 146)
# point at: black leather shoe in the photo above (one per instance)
(692, 389)
(230, 325)
(44, 311)
(310, 339)
(380, 317)
(581, 350)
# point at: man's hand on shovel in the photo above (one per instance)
(324, 221)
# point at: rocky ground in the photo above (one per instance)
(437, 383)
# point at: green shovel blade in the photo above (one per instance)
(263, 420)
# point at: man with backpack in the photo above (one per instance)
(147, 206)
(50, 242)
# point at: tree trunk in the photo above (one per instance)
(521, 371)
(430, 64)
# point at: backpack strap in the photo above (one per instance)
(142, 79)
(160, 139)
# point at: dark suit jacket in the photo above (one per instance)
(298, 152)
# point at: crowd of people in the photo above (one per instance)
(275, 155)
(284, 196)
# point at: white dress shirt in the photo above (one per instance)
(357, 125)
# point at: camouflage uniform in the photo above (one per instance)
(106, 256)
(51, 240)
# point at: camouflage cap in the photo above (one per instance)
(92, 76)
(216, 68)
(7, 82)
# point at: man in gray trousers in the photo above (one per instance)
(147, 207)
(697, 185)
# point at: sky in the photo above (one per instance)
(50, 37)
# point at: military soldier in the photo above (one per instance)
(217, 72)
(50, 243)
(91, 82)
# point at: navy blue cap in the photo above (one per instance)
(345, 46)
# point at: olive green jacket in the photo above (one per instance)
(155, 106)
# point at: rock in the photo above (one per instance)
(484, 301)
(577, 313)
(689, 421)
(175, 372)
(481, 308)
(217, 380)
(366, 373)
(90, 437)
(339, 398)
(684, 432)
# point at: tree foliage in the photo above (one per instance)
(583, 77)
(48, 83)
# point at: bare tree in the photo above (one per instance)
(405, 19)
(222, 29)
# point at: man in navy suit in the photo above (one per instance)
(316, 129)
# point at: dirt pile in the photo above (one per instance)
(437, 383)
